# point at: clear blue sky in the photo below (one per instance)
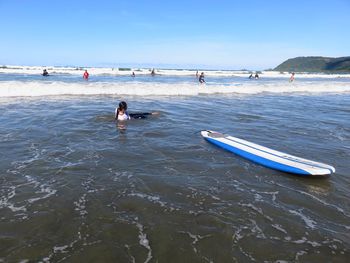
(226, 34)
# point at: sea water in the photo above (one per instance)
(75, 186)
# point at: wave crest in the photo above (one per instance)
(56, 88)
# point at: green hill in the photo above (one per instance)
(316, 64)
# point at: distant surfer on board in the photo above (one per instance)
(121, 113)
(86, 75)
(201, 78)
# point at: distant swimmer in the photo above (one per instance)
(292, 77)
(45, 73)
(121, 113)
(86, 75)
(133, 74)
(250, 76)
(256, 76)
(153, 72)
(197, 74)
(201, 78)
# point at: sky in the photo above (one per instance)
(213, 34)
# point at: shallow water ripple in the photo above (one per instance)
(76, 187)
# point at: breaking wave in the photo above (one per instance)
(56, 88)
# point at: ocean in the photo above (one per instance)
(75, 186)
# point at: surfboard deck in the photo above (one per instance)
(267, 157)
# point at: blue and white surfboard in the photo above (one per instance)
(267, 157)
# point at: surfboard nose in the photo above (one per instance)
(205, 133)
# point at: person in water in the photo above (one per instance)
(256, 76)
(133, 74)
(250, 76)
(201, 78)
(121, 113)
(86, 75)
(153, 72)
(292, 77)
(45, 73)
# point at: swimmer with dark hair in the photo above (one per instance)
(121, 113)
(201, 78)
(45, 73)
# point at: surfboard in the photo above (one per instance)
(267, 157)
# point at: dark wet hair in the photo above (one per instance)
(123, 105)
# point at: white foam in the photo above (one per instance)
(256, 209)
(57, 88)
(257, 230)
(196, 239)
(153, 199)
(80, 205)
(6, 203)
(339, 209)
(300, 254)
(44, 188)
(60, 249)
(279, 227)
(98, 71)
(143, 241)
(308, 221)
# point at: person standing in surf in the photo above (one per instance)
(45, 73)
(292, 77)
(201, 78)
(86, 75)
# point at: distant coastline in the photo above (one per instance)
(306, 65)
(316, 64)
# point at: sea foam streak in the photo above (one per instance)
(109, 71)
(54, 88)
(24, 81)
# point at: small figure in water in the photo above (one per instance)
(256, 76)
(86, 75)
(45, 73)
(201, 78)
(121, 113)
(133, 74)
(250, 76)
(197, 74)
(152, 72)
(292, 77)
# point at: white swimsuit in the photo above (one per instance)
(123, 117)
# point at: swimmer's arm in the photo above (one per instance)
(142, 115)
